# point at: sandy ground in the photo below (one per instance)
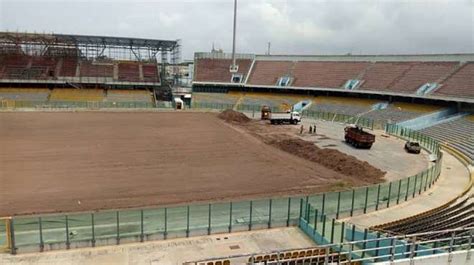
(78, 161)
(174, 251)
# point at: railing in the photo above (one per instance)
(368, 250)
(114, 227)
(18, 104)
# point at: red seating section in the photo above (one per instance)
(88, 69)
(150, 73)
(268, 72)
(326, 74)
(422, 73)
(129, 71)
(217, 70)
(69, 67)
(381, 75)
(460, 84)
(45, 67)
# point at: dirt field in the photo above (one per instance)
(78, 161)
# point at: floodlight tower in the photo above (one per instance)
(234, 67)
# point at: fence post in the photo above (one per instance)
(365, 243)
(414, 187)
(426, 180)
(352, 202)
(301, 210)
(366, 199)
(165, 234)
(142, 234)
(338, 204)
(187, 221)
(68, 244)
(270, 213)
(421, 182)
(342, 232)
(209, 220)
(332, 230)
(377, 245)
(251, 206)
(12, 237)
(93, 229)
(324, 225)
(288, 214)
(323, 204)
(408, 189)
(378, 198)
(389, 194)
(315, 220)
(118, 227)
(40, 222)
(306, 206)
(230, 217)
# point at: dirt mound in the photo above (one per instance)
(233, 116)
(330, 158)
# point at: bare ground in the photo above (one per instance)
(81, 161)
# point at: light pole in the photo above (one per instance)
(233, 67)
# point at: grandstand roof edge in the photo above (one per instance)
(88, 39)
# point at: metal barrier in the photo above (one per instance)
(18, 104)
(5, 235)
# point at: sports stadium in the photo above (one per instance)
(106, 154)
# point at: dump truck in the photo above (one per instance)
(291, 117)
(357, 137)
(412, 147)
(266, 112)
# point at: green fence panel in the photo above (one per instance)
(260, 213)
(105, 225)
(220, 217)
(54, 229)
(80, 227)
(240, 216)
(199, 219)
(177, 221)
(27, 231)
(130, 223)
(280, 212)
(154, 221)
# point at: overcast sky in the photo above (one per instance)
(292, 26)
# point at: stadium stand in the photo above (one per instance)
(381, 75)
(460, 83)
(398, 112)
(326, 74)
(456, 215)
(268, 72)
(282, 101)
(15, 66)
(420, 74)
(42, 67)
(84, 95)
(114, 95)
(217, 70)
(93, 69)
(129, 71)
(220, 98)
(69, 67)
(340, 105)
(24, 94)
(150, 73)
(457, 133)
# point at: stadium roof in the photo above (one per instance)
(51, 39)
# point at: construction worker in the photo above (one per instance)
(314, 128)
(301, 129)
(310, 129)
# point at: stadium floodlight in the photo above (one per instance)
(234, 67)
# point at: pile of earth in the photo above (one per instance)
(330, 158)
(233, 116)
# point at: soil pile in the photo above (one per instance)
(330, 158)
(233, 116)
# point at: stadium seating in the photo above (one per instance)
(282, 101)
(92, 69)
(128, 71)
(340, 105)
(69, 67)
(381, 75)
(220, 98)
(24, 94)
(15, 67)
(84, 95)
(420, 74)
(114, 95)
(460, 84)
(268, 72)
(457, 215)
(150, 73)
(326, 74)
(217, 70)
(399, 112)
(457, 133)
